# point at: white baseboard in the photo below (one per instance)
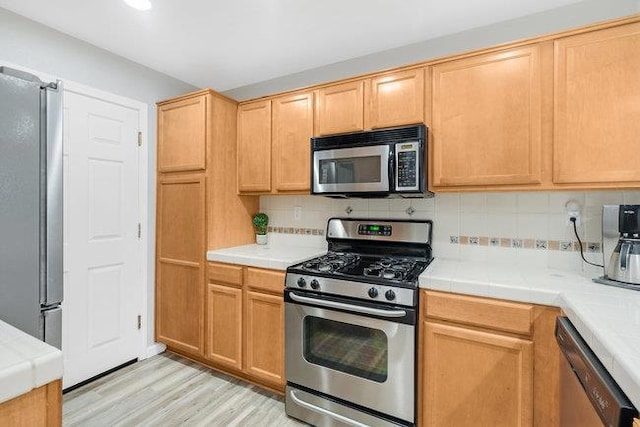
(155, 348)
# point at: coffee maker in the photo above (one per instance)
(621, 245)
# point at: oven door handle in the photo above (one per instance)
(314, 408)
(348, 307)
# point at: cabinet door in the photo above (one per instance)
(265, 337)
(224, 323)
(292, 129)
(475, 378)
(254, 147)
(182, 135)
(397, 99)
(487, 123)
(597, 115)
(180, 263)
(340, 108)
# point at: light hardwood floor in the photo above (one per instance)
(167, 390)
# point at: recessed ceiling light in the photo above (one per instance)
(139, 4)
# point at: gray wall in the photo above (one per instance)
(574, 15)
(29, 44)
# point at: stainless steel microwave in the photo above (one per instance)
(380, 163)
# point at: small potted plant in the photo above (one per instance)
(260, 223)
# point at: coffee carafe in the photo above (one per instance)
(624, 265)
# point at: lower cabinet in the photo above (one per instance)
(224, 323)
(265, 336)
(245, 323)
(486, 362)
(41, 406)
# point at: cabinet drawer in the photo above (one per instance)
(498, 315)
(225, 273)
(268, 280)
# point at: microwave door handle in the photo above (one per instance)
(392, 169)
(348, 307)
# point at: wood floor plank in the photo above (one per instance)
(167, 390)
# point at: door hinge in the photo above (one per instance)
(139, 230)
(139, 139)
(139, 322)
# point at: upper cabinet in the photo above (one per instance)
(340, 108)
(556, 112)
(254, 147)
(384, 100)
(292, 129)
(397, 98)
(182, 135)
(597, 107)
(487, 119)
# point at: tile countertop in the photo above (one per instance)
(265, 256)
(25, 363)
(607, 317)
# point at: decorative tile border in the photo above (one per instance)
(296, 230)
(516, 243)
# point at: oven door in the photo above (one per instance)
(362, 354)
(352, 170)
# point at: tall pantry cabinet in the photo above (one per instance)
(198, 209)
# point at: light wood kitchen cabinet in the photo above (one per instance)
(397, 98)
(41, 406)
(487, 119)
(490, 371)
(224, 324)
(180, 262)
(245, 323)
(181, 135)
(486, 362)
(340, 108)
(292, 129)
(597, 112)
(254, 147)
(265, 336)
(196, 211)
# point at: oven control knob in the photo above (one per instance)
(315, 284)
(301, 282)
(373, 292)
(390, 295)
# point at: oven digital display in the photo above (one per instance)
(374, 230)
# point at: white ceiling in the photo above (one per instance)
(226, 44)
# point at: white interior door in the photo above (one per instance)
(103, 269)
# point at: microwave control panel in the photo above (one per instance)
(407, 165)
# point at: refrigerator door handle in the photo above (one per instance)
(52, 292)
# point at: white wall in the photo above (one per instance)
(525, 217)
(34, 46)
(575, 15)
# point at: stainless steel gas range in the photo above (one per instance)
(350, 325)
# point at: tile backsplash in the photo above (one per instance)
(512, 227)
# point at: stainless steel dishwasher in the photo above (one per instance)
(589, 396)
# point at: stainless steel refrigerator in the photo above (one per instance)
(31, 205)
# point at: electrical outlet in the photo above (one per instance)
(297, 213)
(573, 211)
(576, 215)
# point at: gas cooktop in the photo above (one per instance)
(392, 270)
(368, 259)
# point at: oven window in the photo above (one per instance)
(352, 170)
(353, 349)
